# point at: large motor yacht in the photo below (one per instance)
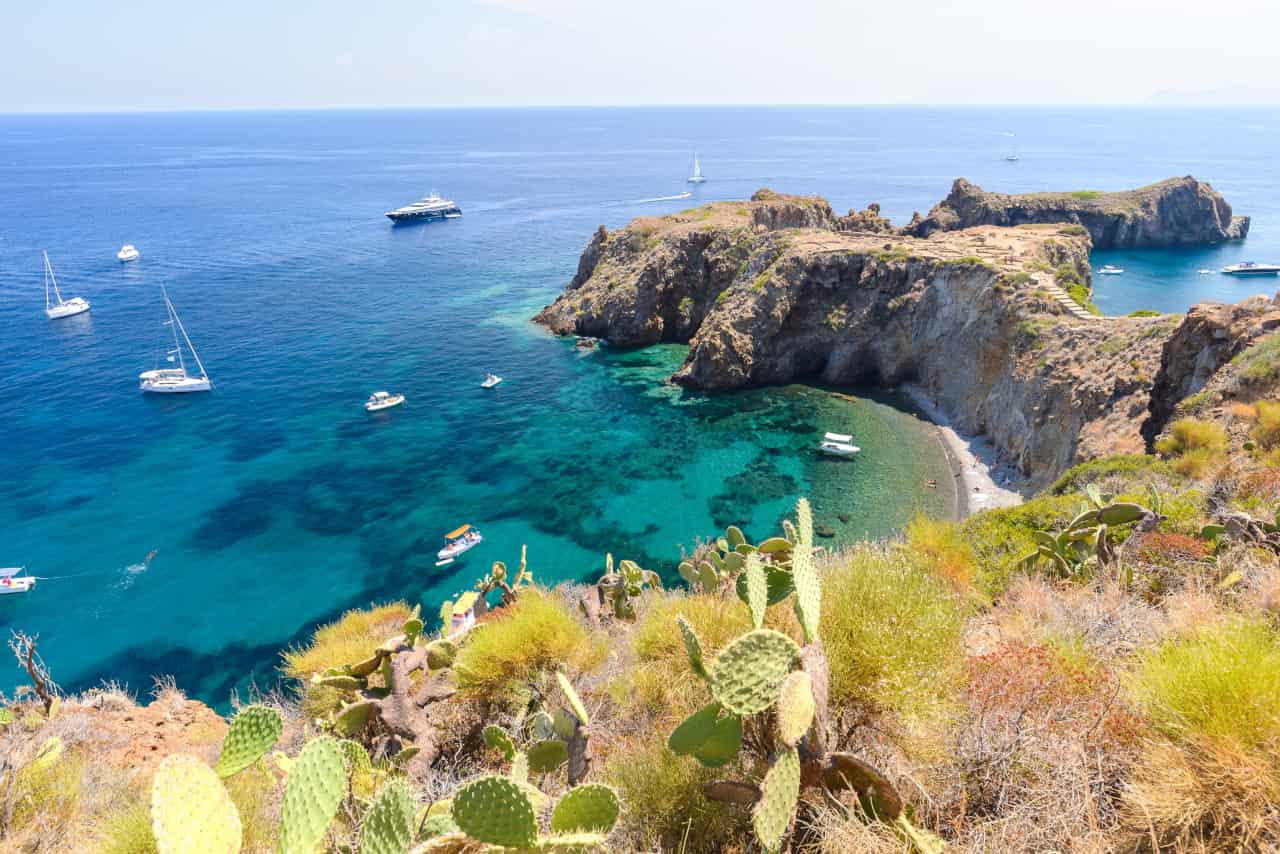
(432, 206)
(1251, 268)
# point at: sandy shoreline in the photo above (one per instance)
(981, 480)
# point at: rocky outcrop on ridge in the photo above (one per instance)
(1174, 212)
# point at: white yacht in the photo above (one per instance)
(1251, 268)
(1110, 270)
(457, 541)
(175, 380)
(128, 252)
(11, 582)
(431, 206)
(490, 380)
(55, 307)
(838, 445)
(381, 400)
(697, 177)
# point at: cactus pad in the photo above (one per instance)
(440, 654)
(723, 744)
(808, 592)
(693, 646)
(253, 732)
(547, 756)
(412, 628)
(757, 590)
(316, 786)
(687, 572)
(694, 730)
(497, 738)
(748, 674)
(520, 767)
(191, 812)
(775, 546)
(355, 754)
(1120, 514)
(352, 718)
(563, 724)
(780, 584)
(497, 811)
(733, 535)
(590, 807)
(707, 577)
(575, 702)
(388, 825)
(541, 726)
(341, 681)
(795, 708)
(779, 792)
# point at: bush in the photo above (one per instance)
(1000, 538)
(537, 632)
(1221, 684)
(941, 548)
(351, 638)
(1144, 312)
(1266, 432)
(129, 831)
(892, 631)
(1191, 436)
(1128, 467)
(1261, 362)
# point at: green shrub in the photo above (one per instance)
(873, 601)
(1189, 434)
(1000, 538)
(1133, 468)
(1144, 312)
(1222, 683)
(537, 632)
(1073, 230)
(1261, 362)
(1087, 195)
(1193, 403)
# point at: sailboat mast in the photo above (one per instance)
(174, 313)
(173, 327)
(49, 277)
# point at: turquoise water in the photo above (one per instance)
(275, 502)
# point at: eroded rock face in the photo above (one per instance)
(1175, 212)
(964, 313)
(1208, 338)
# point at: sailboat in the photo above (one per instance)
(175, 380)
(697, 176)
(61, 308)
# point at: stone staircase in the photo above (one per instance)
(1064, 299)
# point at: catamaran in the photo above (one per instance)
(458, 541)
(838, 445)
(11, 582)
(175, 380)
(697, 176)
(61, 308)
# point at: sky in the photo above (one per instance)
(80, 55)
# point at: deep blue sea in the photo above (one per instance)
(275, 502)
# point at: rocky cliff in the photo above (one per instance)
(1175, 212)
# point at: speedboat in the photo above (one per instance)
(431, 206)
(381, 400)
(11, 582)
(457, 542)
(490, 380)
(1205, 271)
(697, 177)
(55, 307)
(838, 445)
(175, 380)
(1251, 268)
(128, 252)
(1012, 158)
(1111, 270)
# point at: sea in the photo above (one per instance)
(274, 503)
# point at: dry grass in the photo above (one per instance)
(1198, 447)
(943, 550)
(350, 639)
(1266, 431)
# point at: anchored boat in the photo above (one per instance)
(381, 400)
(838, 445)
(431, 206)
(1110, 270)
(56, 307)
(175, 380)
(490, 380)
(457, 542)
(11, 582)
(697, 177)
(1251, 268)
(128, 252)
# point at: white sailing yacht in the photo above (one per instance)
(697, 176)
(61, 308)
(175, 380)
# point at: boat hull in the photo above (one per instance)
(1251, 272)
(451, 552)
(171, 382)
(70, 308)
(389, 403)
(418, 216)
(17, 584)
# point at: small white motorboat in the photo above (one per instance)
(11, 582)
(55, 307)
(838, 445)
(1110, 270)
(490, 380)
(175, 380)
(1205, 271)
(697, 177)
(1011, 158)
(128, 252)
(458, 541)
(381, 400)
(1251, 268)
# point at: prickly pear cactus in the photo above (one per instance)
(388, 825)
(440, 654)
(575, 702)
(779, 792)
(723, 744)
(191, 812)
(496, 811)
(540, 726)
(692, 645)
(547, 756)
(590, 808)
(253, 731)
(317, 783)
(352, 718)
(747, 675)
(734, 537)
(1120, 514)
(694, 730)
(355, 754)
(805, 575)
(757, 590)
(497, 738)
(795, 708)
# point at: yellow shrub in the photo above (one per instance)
(537, 632)
(1199, 463)
(717, 621)
(129, 830)
(942, 550)
(351, 638)
(1266, 432)
(1190, 434)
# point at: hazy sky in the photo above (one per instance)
(160, 54)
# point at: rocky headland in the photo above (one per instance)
(977, 313)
